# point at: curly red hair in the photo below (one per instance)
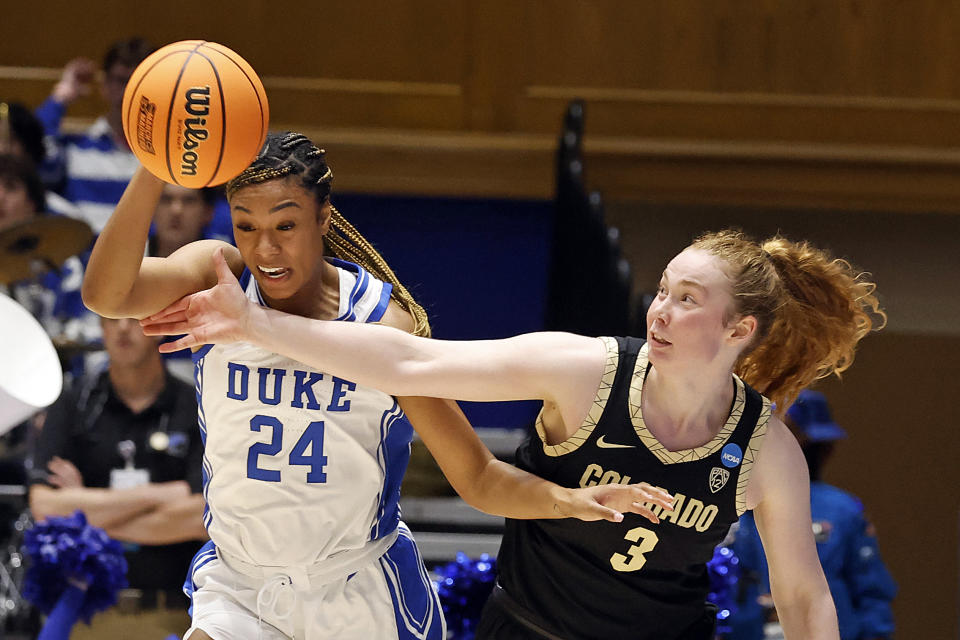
(811, 310)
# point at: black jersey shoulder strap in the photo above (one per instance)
(750, 437)
(611, 371)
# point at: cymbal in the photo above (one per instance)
(39, 245)
(67, 347)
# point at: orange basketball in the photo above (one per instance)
(195, 113)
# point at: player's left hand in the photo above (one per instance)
(611, 501)
(216, 316)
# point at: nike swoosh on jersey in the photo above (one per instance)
(603, 444)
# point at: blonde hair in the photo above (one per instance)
(292, 155)
(811, 309)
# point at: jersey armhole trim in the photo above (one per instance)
(378, 312)
(596, 409)
(750, 456)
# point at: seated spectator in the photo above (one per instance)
(92, 169)
(21, 135)
(52, 296)
(860, 584)
(125, 449)
(181, 217)
(21, 192)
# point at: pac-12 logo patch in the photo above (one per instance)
(718, 478)
(731, 455)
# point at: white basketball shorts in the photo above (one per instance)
(388, 597)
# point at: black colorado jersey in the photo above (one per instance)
(632, 579)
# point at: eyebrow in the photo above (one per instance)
(685, 281)
(282, 205)
(693, 283)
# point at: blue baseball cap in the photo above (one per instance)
(810, 414)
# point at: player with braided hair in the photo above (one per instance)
(343, 241)
(678, 410)
(302, 468)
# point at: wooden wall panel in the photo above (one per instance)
(849, 47)
(839, 104)
(371, 64)
(748, 116)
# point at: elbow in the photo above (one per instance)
(473, 497)
(97, 300)
(481, 503)
(477, 489)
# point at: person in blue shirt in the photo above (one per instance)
(861, 586)
(91, 169)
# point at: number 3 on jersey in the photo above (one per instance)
(312, 438)
(648, 540)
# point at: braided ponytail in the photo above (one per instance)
(811, 311)
(290, 154)
(346, 243)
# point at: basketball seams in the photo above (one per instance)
(223, 113)
(177, 67)
(257, 86)
(173, 99)
(143, 76)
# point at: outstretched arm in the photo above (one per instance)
(799, 588)
(540, 366)
(493, 486)
(558, 367)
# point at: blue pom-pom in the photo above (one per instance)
(65, 551)
(464, 586)
(724, 572)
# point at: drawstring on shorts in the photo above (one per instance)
(270, 594)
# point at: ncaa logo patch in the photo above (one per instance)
(731, 456)
(718, 479)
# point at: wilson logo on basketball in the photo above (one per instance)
(195, 131)
(145, 125)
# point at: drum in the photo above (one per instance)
(30, 373)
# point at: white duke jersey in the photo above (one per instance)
(298, 463)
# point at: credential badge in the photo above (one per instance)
(718, 478)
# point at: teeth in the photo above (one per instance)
(270, 270)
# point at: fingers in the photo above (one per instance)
(83, 68)
(224, 274)
(644, 492)
(173, 328)
(186, 342)
(610, 515)
(591, 511)
(59, 465)
(180, 306)
(640, 509)
(63, 473)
